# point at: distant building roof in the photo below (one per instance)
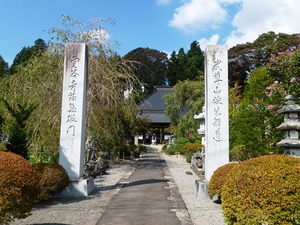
(153, 106)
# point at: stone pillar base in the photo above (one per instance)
(201, 189)
(78, 188)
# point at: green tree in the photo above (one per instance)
(181, 106)
(195, 60)
(173, 62)
(234, 98)
(26, 53)
(254, 124)
(272, 43)
(150, 67)
(18, 139)
(39, 81)
(3, 67)
(244, 58)
(177, 67)
(253, 127)
(284, 67)
(186, 66)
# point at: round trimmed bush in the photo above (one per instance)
(263, 190)
(53, 178)
(18, 187)
(218, 178)
(176, 148)
(190, 148)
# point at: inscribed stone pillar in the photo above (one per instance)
(73, 117)
(216, 100)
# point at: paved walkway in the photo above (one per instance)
(149, 196)
(145, 190)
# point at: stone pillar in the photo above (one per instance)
(73, 119)
(216, 101)
(291, 127)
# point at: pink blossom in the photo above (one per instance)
(293, 80)
(270, 107)
(273, 57)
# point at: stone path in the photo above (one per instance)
(170, 175)
(148, 197)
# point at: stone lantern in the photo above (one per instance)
(201, 130)
(197, 160)
(291, 127)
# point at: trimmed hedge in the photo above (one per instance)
(218, 178)
(263, 190)
(190, 148)
(176, 148)
(53, 178)
(18, 187)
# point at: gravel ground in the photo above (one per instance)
(202, 211)
(88, 210)
(85, 210)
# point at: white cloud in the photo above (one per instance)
(259, 16)
(249, 19)
(163, 2)
(229, 2)
(213, 40)
(198, 15)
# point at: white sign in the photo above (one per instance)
(216, 100)
(73, 117)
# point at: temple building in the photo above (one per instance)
(153, 109)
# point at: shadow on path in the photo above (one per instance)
(144, 182)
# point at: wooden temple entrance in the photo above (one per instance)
(153, 109)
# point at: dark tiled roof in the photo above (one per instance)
(155, 100)
(153, 107)
(156, 117)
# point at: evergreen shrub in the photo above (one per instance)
(176, 148)
(218, 178)
(164, 147)
(263, 190)
(19, 187)
(53, 179)
(190, 148)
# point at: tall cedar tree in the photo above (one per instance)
(26, 53)
(186, 66)
(3, 67)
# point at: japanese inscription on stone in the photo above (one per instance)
(216, 100)
(73, 110)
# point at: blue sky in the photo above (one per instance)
(165, 25)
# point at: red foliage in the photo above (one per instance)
(53, 178)
(218, 179)
(18, 187)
